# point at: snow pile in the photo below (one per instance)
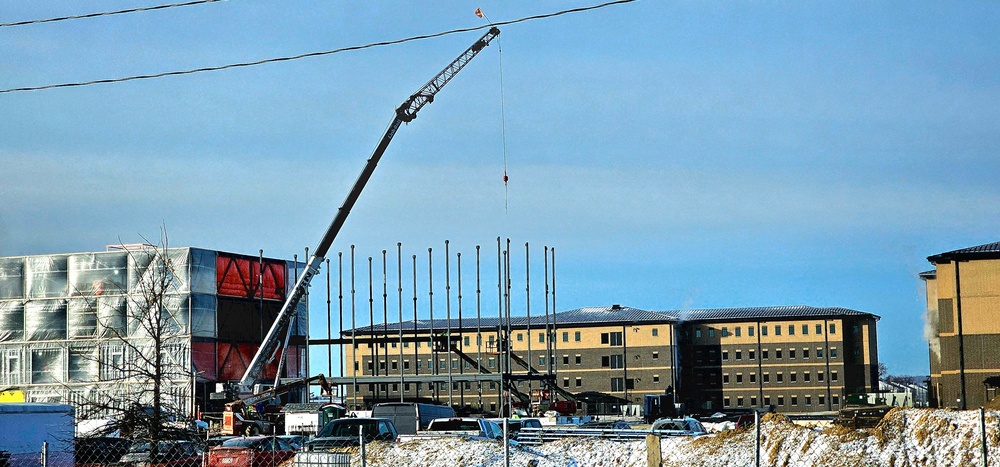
(910, 437)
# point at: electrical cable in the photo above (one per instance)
(310, 54)
(106, 13)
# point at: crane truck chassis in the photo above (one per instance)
(245, 417)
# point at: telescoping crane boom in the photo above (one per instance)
(404, 113)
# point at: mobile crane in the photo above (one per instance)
(405, 113)
(245, 417)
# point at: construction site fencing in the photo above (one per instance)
(322, 459)
(537, 436)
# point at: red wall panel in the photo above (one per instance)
(204, 359)
(239, 276)
(234, 359)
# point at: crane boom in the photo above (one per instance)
(404, 113)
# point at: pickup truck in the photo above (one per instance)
(345, 432)
(686, 426)
(514, 425)
(475, 428)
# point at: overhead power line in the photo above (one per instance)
(310, 54)
(106, 13)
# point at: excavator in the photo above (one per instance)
(239, 417)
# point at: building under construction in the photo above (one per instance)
(75, 327)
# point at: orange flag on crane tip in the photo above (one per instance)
(479, 12)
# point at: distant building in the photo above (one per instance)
(900, 394)
(64, 319)
(963, 299)
(798, 358)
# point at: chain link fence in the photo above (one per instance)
(121, 452)
(322, 459)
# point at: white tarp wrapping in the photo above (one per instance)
(203, 308)
(47, 366)
(11, 320)
(203, 275)
(95, 274)
(111, 319)
(81, 317)
(45, 276)
(147, 274)
(83, 364)
(11, 278)
(45, 320)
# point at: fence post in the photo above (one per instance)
(654, 456)
(506, 443)
(364, 458)
(982, 431)
(756, 427)
(45, 454)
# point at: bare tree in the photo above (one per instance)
(143, 363)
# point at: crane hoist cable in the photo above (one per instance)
(503, 117)
(503, 125)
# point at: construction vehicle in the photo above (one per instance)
(258, 413)
(544, 400)
(859, 412)
(405, 113)
(656, 406)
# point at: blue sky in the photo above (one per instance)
(677, 154)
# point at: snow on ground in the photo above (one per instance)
(910, 437)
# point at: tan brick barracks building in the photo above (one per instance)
(797, 358)
(963, 318)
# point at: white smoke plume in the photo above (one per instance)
(930, 317)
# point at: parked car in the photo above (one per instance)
(168, 454)
(217, 440)
(686, 426)
(251, 451)
(411, 417)
(297, 441)
(347, 432)
(473, 427)
(514, 425)
(99, 451)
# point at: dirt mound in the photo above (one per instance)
(993, 404)
(775, 418)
